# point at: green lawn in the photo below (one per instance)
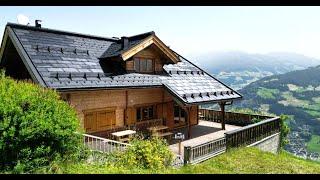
(314, 144)
(313, 113)
(267, 93)
(238, 161)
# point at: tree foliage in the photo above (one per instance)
(36, 127)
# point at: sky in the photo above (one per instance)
(191, 31)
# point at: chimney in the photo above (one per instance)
(124, 42)
(38, 25)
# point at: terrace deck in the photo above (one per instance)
(204, 132)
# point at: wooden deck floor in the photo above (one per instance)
(203, 132)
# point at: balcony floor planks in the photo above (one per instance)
(196, 140)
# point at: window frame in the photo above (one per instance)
(140, 113)
(180, 112)
(140, 69)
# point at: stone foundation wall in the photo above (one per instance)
(269, 144)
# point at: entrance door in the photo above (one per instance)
(180, 116)
(99, 120)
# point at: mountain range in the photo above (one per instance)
(239, 69)
(297, 94)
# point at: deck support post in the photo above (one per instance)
(222, 107)
(125, 111)
(189, 126)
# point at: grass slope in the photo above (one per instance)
(314, 144)
(237, 161)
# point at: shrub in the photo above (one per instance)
(284, 129)
(36, 127)
(152, 153)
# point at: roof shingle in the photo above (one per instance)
(69, 61)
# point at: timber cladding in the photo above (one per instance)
(102, 109)
(151, 53)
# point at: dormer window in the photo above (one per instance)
(143, 65)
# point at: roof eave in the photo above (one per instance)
(59, 31)
(3, 43)
(35, 75)
(213, 101)
(210, 75)
(181, 100)
(152, 39)
(104, 88)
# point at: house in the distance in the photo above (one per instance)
(130, 82)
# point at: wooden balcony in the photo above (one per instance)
(232, 118)
(140, 127)
(240, 130)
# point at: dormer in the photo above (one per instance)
(143, 53)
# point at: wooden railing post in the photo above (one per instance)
(187, 153)
(222, 107)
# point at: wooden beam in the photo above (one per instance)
(189, 123)
(162, 99)
(197, 114)
(146, 43)
(35, 75)
(125, 115)
(3, 43)
(222, 107)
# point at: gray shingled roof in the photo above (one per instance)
(116, 48)
(70, 61)
(192, 85)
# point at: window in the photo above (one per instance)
(143, 65)
(179, 115)
(145, 113)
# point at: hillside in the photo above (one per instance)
(238, 69)
(297, 94)
(237, 161)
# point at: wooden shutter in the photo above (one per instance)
(90, 123)
(102, 121)
(99, 120)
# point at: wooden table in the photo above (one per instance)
(159, 131)
(158, 128)
(123, 136)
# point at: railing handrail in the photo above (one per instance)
(206, 143)
(201, 152)
(266, 116)
(252, 125)
(106, 140)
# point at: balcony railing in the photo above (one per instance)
(199, 153)
(99, 144)
(250, 133)
(232, 118)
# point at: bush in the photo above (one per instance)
(152, 153)
(36, 127)
(284, 129)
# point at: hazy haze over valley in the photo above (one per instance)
(239, 69)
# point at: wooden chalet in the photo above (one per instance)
(113, 82)
(131, 84)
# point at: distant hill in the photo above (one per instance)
(238, 69)
(296, 93)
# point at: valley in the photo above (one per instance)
(296, 94)
(278, 83)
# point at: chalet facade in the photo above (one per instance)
(113, 82)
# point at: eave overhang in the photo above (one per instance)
(153, 39)
(9, 33)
